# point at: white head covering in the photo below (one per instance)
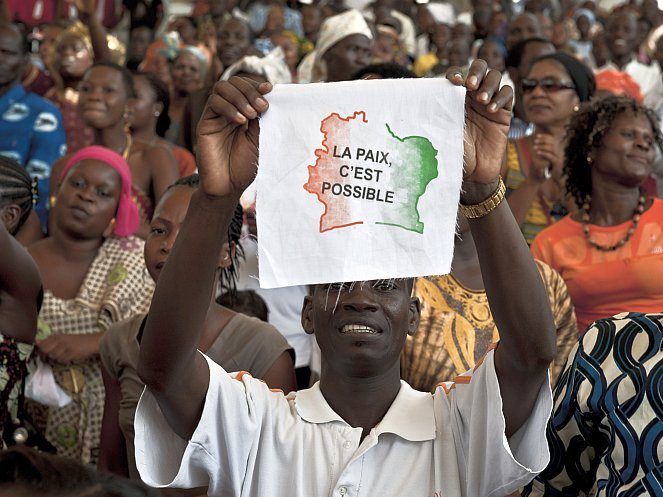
(443, 13)
(272, 66)
(333, 30)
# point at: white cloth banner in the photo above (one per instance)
(359, 180)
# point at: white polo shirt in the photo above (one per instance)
(255, 442)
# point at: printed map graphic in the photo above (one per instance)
(367, 174)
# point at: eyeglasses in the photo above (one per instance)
(547, 85)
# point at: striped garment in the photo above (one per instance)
(543, 212)
(606, 431)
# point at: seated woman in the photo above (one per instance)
(235, 341)
(94, 275)
(554, 88)
(104, 103)
(610, 252)
(457, 327)
(20, 292)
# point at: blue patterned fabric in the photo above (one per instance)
(606, 431)
(31, 132)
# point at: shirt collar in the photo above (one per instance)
(14, 94)
(410, 416)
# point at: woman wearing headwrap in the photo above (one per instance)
(271, 68)
(74, 52)
(344, 47)
(93, 275)
(553, 90)
(585, 21)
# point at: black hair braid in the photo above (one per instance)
(586, 131)
(229, 276)
(17, 188)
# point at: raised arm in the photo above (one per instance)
(169, 364)
(20, 284)
(88, 16)
(516, 294)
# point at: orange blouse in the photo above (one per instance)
(603, 284)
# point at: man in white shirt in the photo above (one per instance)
(621, 36)
(360, 430)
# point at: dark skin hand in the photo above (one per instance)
(19, 286)
(228, 146)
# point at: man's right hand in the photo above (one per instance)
(228, 134)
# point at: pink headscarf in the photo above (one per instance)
(127, 220)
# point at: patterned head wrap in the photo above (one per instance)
(127, 220)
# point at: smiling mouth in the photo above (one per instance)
(359, 328)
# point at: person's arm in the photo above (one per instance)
(47, 144)
(281, 374)
(515, 291)
(65, 348)
(113, 447)
(88, 16)
(20, 284)
(545, 156)
(169, 364)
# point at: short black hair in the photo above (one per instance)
(515, 55)
(247, 302)
(49, 475)
(127, 77)
(388, 70)
(16, 187)
(587, 129)
(230, 275)
(24, 42)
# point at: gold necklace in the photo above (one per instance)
(127, 147)
(586, 207)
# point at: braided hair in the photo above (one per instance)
(229, 275)
(16, 188)
(586, 131)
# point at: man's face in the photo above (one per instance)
(620, 34)
(12, 56)
(348, 56)
(361, 327)
(139, 40)
(521, 28)
(233, 39)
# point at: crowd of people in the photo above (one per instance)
(138, 353)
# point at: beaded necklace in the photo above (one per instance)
(586, 207)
